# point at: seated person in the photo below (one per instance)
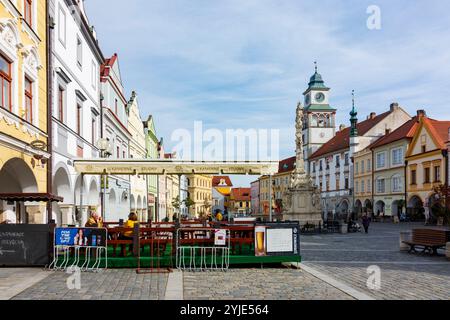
(128, 235)
(94, 221)
(132, 220)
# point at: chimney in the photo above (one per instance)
(394, 106)
(372, 115)
(387, 131)
(341, 127)
(421, 114)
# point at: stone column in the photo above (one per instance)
(67, 212)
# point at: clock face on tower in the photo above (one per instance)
(320, 97)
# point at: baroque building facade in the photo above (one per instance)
(24, 122)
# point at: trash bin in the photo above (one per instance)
(343, 227)
(405, 236)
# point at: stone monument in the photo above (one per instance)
(302, 200)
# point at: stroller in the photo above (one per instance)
(354, 226)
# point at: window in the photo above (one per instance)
(62, 26)
(369, 186)
(94, 75)
(79, 52)
(397, 156)
(357, 168)
(338, 161)
(346, 183)
(424, 149)
(437, 174)
(357, 187)
(94, 129)
(337, 183)
(381, 160)
(320, 165)
(381, 185)
(362, 166)
(5, 79)
(413, 177)
(314, 167)
(78, 123)
(369, 165)
(327, 163)
(346, 159)
(363, 187)
(123, 155)
(28, 100)
(28, 11)
(61, 104)
(397, 184)
(426, 173)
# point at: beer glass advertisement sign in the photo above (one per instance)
(87, 237)
(277, 239)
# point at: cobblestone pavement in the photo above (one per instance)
(113, 284)
(345, 257)
(258, 284)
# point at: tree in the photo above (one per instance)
(441, 206)
(206, 205)
(176, 203)
(188, 202)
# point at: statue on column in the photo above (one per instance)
(299, 175)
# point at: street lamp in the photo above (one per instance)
(103, 145)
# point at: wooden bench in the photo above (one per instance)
(157, 239)
(428, 239)
(115, 239)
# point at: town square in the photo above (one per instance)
(224, 151)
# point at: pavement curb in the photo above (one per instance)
(174, 287)
(333, 282)
(16, 289)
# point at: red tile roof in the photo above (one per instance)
(216, 181)
(439, 129)
(287, 165)
(406, 131)
(342, 138)
(240, 194)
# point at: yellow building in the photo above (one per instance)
(200, 192)
(363, 181)
(240, 201)
(426, 159)
(23, 111)
(280, 184)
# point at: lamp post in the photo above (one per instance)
(103, 145)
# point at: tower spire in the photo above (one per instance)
(353, 118)
(315, 66)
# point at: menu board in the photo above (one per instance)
(279, 240)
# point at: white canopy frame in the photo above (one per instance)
(105, 167)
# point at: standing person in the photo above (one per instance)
(366, 223)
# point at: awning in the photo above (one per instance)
(30, 197)
(171, 166)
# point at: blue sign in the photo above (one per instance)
(83, 237)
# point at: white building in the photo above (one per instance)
(76, 59)
(331, 165)
(114, 130)
(137, 151)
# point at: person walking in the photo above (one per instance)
(366, 223)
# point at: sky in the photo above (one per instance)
(241, 64)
